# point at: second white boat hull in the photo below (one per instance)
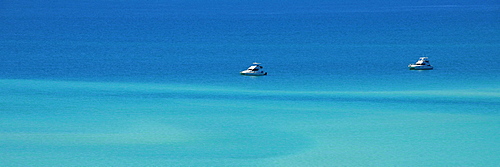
(253, 73)
(419, 67)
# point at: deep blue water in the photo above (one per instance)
(153, 83)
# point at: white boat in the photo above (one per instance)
(421, 64)
(254, 70)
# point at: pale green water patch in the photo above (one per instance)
(402, 139)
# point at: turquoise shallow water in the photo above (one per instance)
(91, 83)
(52, 123)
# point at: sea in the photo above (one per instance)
(157, 83)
